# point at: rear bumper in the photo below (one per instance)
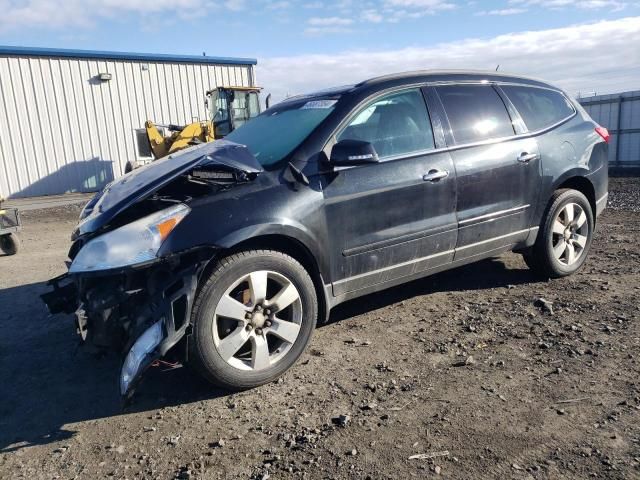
(601, 204)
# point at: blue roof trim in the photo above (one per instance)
(144, 57)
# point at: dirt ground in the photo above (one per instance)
(467, 367)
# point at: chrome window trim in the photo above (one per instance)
(529, 134)
(551, 127)
(371, 99)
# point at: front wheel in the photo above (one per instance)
(565, 236)
(252, 319)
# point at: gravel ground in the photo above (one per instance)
(625, 194)
(469, 370)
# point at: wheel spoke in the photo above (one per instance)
(230, 344)
(570, 254)
(287, 331)
(559, 248)
(558, 227)
(231, 308)
(580, 240)
(284, 297)
(259, 353)
(258, 287)
(582, 218)
(569, 213)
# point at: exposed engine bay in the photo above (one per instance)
(126, 295)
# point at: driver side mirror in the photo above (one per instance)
(349, 153)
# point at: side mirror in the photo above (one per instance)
(348, 153)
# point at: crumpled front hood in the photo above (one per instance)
(143, 182)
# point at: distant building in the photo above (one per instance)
(71, 119)
(620, 113)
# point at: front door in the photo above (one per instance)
(498, 183)
(394, 218)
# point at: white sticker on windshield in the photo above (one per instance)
(319, 104)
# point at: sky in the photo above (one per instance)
(584, 46)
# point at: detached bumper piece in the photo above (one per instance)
(63, 299)
(162, 326)
(140, 314)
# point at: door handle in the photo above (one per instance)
(435, 175)
(525, 157)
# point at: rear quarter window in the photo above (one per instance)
(539, 108)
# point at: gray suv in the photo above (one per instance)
(226, 254)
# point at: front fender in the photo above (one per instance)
(227, 219)
(225, 238)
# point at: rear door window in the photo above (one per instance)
(539, 108)
(396, 124)
(475, 113)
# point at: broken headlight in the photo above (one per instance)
(134, 243)
(138, 354)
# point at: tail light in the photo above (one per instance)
(604, 133)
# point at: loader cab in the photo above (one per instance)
(231, 107)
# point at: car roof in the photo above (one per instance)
(451, 75)
(419, 76)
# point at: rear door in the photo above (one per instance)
(394, 218)
(498, 172)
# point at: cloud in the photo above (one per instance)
(425, 5)
(18, 14)
(329, 21)
(503, 12)
(372, 16)
(602, 56)
(326, 25)
(614, 5)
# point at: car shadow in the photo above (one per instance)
(49, 384)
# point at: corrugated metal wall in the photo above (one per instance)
(64, 130)
(620, 113)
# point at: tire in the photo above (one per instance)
(564, 238)
(9, 244)
(233, 290)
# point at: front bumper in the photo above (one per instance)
(118, 311)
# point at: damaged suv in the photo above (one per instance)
(227, 254)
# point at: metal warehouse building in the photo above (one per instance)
(71, 119)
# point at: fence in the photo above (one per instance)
(620, 113)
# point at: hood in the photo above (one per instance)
(143, 182)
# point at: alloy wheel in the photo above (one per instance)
(570, 234)
(257, 320)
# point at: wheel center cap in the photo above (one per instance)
(258, 319)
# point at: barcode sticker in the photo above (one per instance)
(319, 104)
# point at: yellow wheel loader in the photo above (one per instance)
(228, 108)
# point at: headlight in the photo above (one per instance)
(134, 243)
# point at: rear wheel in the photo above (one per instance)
(252, 319)
(565, 236)
(9, 244)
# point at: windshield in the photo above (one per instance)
(274, 134)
